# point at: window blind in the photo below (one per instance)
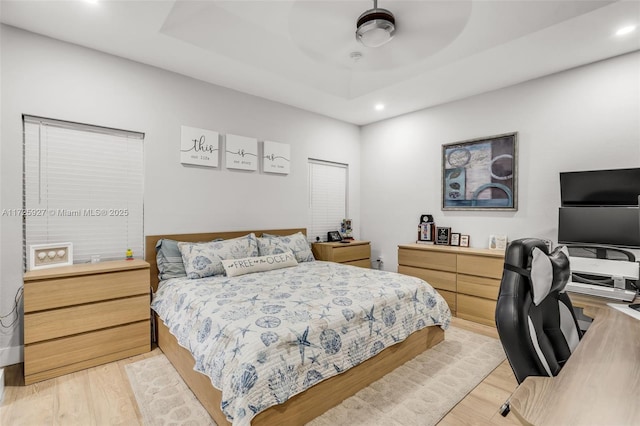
(83, 184)
(327, 197)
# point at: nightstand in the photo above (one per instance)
(356, 253)
(83, 315)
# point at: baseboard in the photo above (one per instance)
(10, 355)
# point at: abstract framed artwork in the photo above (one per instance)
(481, 174)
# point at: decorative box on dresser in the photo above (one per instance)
(356, 253)
(467, 278)
(84, 315)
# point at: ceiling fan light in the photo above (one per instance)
(375, 27)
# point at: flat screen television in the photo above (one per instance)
(619, 187)
(614, 226)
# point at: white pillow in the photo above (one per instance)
(235, 267)
(297, 243)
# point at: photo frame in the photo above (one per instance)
(426, 231)
(497, 242)
(481, 174)
(455, 239)
(426, 228)
(43, 256)
(464, 241)
(334, 236)
(443, 236)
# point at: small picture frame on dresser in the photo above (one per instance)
(443, 236)
(455, 239)
(497, 242)
(464, 241)
(43, 256)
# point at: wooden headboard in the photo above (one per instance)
(151, 240)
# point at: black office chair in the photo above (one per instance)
(534, 317)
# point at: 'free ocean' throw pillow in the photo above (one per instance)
(235, 267)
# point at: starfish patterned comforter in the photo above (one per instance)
(265, 337)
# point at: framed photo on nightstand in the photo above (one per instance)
(334, 236)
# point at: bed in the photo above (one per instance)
(321, 390)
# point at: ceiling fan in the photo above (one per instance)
(419, 30)
(375, 27)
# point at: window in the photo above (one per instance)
(327, 197)
(83, 184)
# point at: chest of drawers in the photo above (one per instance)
(467, 278)
(84, 315)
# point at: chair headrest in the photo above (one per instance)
(549, 272)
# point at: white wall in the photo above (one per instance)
(582, 119)
(49, 78)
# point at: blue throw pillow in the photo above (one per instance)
(169, 260)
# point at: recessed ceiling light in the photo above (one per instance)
(91, 1)
(379, 107)
(626, 30)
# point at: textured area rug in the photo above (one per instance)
(419, 392)
(162, 395)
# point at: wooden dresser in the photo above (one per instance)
(468, 278)
(84, 315)
(356, 253)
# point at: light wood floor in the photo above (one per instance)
(102, 396)
(480, 407)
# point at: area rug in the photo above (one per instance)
(419, 393)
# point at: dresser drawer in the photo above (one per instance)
(79, 319)
(438, 279)
(364, 263)
(61, 292)
(427, 259)
(450, 298)
(351, 253)
(478, 286)
(70, 350)
(482, 266)
(476, 309)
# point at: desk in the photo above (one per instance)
(588, 302)
(599, 385)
